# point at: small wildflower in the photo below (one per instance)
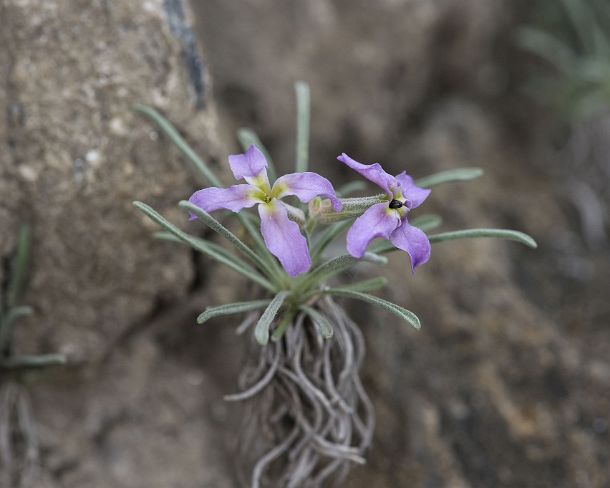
(282, 236)
(389, 218)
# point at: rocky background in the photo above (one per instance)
(507, 383)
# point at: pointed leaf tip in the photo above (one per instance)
(512, 235)
(230, 309)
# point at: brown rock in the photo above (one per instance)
(76, 155)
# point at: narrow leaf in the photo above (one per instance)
(247, 137)
(462, 174)
(303, 102)
(337, 265)
(190, 154)
(214, 251)
(38, 361)
(261, 331)
(169, 130)
(366, 285)
(371, 284)
(7, 325)
(18, 272)
(397, 310)
(512, 235)
(165, 235)
(216, 226)
(205, 247)
(197, 162)
(282, 325)
(230, 309)
(321, 322)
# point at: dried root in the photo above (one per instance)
(308, 417)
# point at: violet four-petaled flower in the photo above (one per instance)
(282, 236)
(389, 219)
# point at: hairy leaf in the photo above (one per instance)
(512, 235)
(397, 310)
(203, 246)
(462, 174)
(303, 108)
(321, 322)
(261, 331)
(230, 309)
(169, 130)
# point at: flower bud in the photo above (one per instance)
(322, 212)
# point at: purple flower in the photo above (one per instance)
(389, 219)
(282, 236)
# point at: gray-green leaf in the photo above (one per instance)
(303, 102)
(261, 331)
(209, 249)
(230, 309)
(512, 235)
(461, 174)
(168, 129)
(321, 322)
(397, 310)
(216, 226)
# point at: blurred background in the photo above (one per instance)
(508, 382)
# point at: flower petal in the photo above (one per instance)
(372, 172)
(306, 186)
(414, 241)
(233, 198)
(414, 195)
(378, 221)
(283, 238)
(252, 166)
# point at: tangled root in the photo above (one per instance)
(307, 415)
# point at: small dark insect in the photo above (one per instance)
(396, 204)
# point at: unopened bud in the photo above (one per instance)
(321, 209)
